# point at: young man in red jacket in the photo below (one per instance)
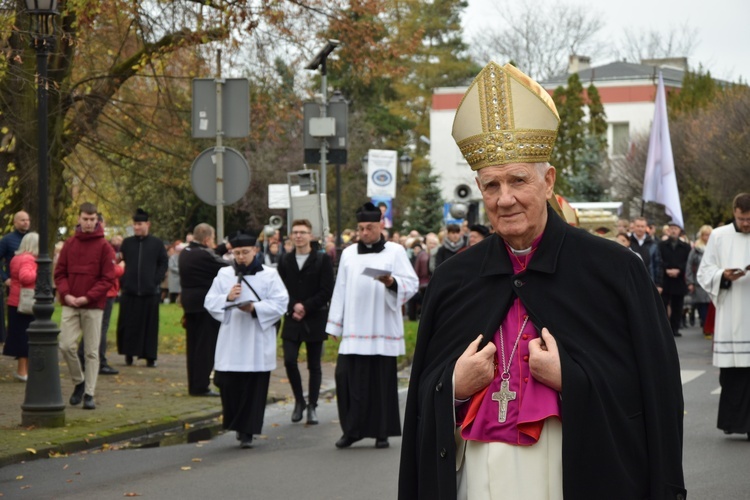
(84, 274)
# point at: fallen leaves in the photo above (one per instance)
(31, 450)
(132, 494)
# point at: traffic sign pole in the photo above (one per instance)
(219, 153)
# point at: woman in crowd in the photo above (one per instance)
(698, 294)
(22, 275)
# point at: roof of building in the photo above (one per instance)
(621, 70)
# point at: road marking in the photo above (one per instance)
(688, 375)
(717, 390)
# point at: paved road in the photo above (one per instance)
(295, 461)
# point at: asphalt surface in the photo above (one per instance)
(138, 403)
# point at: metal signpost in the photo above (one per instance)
(221, 108)
(325, 132)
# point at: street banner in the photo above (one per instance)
(660, 181)
(381, 173)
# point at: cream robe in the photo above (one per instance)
(727, 249)
(364, 313)
(245, 343)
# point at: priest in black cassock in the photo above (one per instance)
(146, 264)
(545, 367)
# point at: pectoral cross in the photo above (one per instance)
(503, 396)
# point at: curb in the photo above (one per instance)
(142, 430)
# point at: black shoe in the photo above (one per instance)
(88, 402)
(129, 360)
(107, 370)
(299, 407)
(677, 334)
(246, 440)
(77, 395)
(312, 415)
(381, 443)
(208, 394)
(346, 441)
(151, 363)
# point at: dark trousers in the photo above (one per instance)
(734, 402)
(138, 326)
(201, 330)
(367, 396)
(702, 308)
(103, 340)
(243, 400)
(674, 302)
(314, 354)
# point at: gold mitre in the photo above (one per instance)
(505, 117)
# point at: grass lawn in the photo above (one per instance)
(172, 335)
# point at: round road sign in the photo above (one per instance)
(236, 176)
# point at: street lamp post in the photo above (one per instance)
(365, 163)
(43, 405)
(405, 162)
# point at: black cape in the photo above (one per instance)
(622, 406)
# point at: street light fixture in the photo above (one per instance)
(43, 405)
(405, 162)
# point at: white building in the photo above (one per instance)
(627, 92)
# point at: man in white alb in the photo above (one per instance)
(375, 279)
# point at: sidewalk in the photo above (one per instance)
(138, 402)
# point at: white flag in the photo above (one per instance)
(660, 182)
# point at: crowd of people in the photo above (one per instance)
(519, 388)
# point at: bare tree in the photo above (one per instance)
(539, 36)
(636, 45)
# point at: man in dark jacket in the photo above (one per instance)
(644, 245)
(198, 267)
(8, 246)
(674, 256)
(308, 277)
(452, 244)
(542, 348)
(84, 274)
(146, 264)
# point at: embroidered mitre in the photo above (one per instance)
(505, 117)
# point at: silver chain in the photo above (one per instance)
(506, 366)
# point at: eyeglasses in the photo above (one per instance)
(295, 233)
(239, 253)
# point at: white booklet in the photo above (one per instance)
(376, 273)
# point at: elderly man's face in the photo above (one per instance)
(515, 197)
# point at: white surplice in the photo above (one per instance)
(364, 313)
(247, 343)
(727, 249)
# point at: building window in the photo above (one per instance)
(620, 138)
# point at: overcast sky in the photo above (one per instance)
(722, 27)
